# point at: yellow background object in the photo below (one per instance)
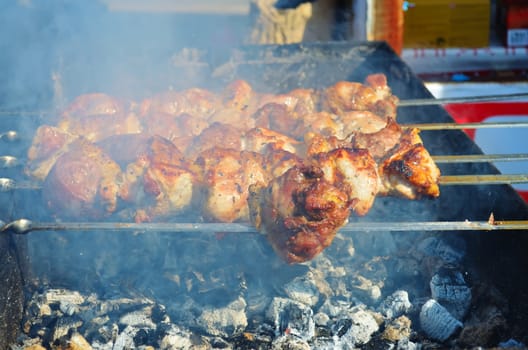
(447, 23)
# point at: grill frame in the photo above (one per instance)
(279, 69)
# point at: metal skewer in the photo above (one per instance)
(480, 158)
(7, 184)
(442, 101)
(493, 179)
(11, 162)
(460, 126)
(24, 226)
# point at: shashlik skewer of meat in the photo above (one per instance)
(299, 192)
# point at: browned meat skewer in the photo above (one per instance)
(295, 164)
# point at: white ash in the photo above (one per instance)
(305, 289)
(396, 304)
(449, 288)
(291, 317)
(125, 339)
(68, 308)
(359, 331)
(290, 342)
(139, 318)
(366, 289)
(321, 319)
(227, 321)
(52, 296)
(437, 322)
(334, 307)
(406, 344)
(176, 339)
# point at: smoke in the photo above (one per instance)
(87, 48)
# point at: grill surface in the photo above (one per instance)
(60, 258)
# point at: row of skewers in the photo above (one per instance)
(294, 165)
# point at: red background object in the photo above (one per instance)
(479, 112)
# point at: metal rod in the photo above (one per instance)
(24, 226)
(493, 179)
(460, 126)
(480, 158)
(468, 99)
(7, 184)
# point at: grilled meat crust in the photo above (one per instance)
(83, 180)
(300, 212)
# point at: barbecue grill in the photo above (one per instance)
(214, 264)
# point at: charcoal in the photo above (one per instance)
(176, 338)
(145, 336)
(395, 304)
(305, 289)
(366, 289)
(397, 329)
(103, 334)
(357, 328)
(325, 343)
(292, 317)
(321, 319)
(406, 344)
(449, 288)
(122, 305)
(334, 307)
(77, 342)
(54, 296)
(139, 318)
(437, 322)
(159, 314)
(290, 342)
(68, 308)
(125, 339)
(227, 321)
(65, 325)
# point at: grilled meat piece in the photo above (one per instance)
(405, 168)
(83, 183)
(215, 135)
(408, 170)
(239, 95)
(159, 182)
(257, 140)
(180, 129)
(373, 96)
(196, 102)
(379, 143)
(226, 177)
(299, 211)
(48, 144)
(98, 116)
(354, 172)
